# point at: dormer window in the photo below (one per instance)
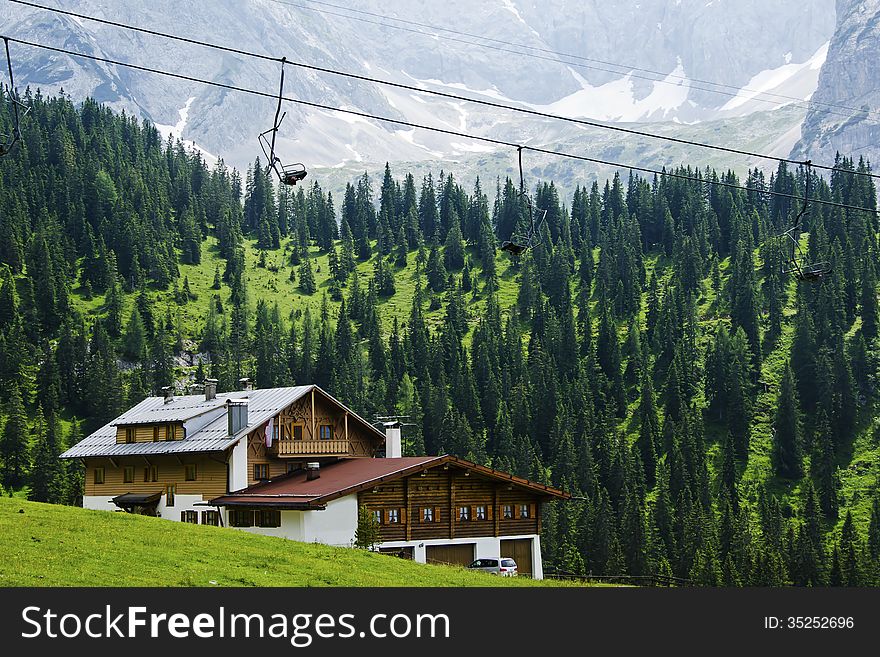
(130, 434)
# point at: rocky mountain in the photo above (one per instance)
(843, 115)
(671, 63)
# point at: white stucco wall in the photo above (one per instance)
(238, 467)
(99, 502)
(335, 525)
(291, 526)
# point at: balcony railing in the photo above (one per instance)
(310, 447)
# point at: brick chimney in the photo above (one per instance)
(168, 391)
(245, 383)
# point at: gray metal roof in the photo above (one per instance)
(262, 404)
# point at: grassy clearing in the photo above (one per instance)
(50, 545)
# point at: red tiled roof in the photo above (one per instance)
(350, 475)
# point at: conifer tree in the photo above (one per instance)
(787, 451)
(307, 277)
(47, 476)
(14, 444)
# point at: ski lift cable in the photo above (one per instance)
(454, 133)
(443, 94)
(626, 69)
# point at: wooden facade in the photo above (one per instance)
(297, 437)
(451, 503)
(210, 475)
(312, 428)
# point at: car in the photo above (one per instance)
(504, 566)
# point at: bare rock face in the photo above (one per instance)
(843, 116)
(588, 58)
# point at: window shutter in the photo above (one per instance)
(489, 512)
(436, 514)
(386, 516)
(532, 514)
(183, 516)
(473, 514)
(403, 516)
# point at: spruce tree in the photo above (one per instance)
(787, 452)
(14, 444)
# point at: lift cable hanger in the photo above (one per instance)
(288, 174)
(795, 260)
(10, 140)
(518, 243)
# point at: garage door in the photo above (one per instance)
(520, 550)
(460, 554)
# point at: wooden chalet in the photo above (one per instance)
(295, 462)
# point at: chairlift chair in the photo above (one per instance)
(794, 259)
(288, 174)
(518, 243)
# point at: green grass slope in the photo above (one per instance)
(51, 545)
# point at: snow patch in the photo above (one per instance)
(615, 100)
(794, 80)
(176, 131)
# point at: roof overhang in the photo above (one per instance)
(128, 500)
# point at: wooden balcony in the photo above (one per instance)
(303, 448)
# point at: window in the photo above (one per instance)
(99, 475)
(297, 432)
(130, 434)
(211, 518)
(523, 510)
(261, 471)
(156, 433)
(292, 467)
(268, 518)
(128, 474)
(189, 472)
(326, 432)
(377, 516)
(151, 473)
(464, 513)
(241, 518)
(170, 491)
(393, 516)
(428, 514)
(480, 513)
(191, 517)
(507, 511)
(170, 432)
